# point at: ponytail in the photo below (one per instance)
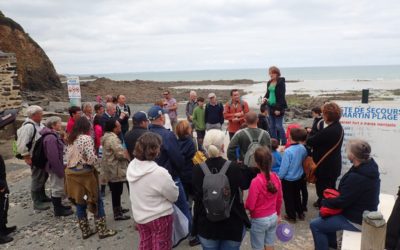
(263, 158)
(270, 186)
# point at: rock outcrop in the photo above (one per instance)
(34, 68)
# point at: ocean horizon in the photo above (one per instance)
(358, 73)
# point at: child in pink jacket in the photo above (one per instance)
(264, 202)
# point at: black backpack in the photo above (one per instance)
(39, 157)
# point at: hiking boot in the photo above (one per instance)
(44, 197)
(4, 239)
(7, 230)
(59, 210)
(37, 203)
(85, 228)
(119, 215)
(102, 228)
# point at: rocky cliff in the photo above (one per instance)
(34, 68)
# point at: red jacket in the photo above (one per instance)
(229, 113)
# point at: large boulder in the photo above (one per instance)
(34, 68)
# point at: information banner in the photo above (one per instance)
(379, 124)
(74, 90)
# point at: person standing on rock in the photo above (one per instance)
(114, 165)
(171, 108)
(74, 114)
(191, 105)
(82, 181)
(4, 203)
(53, 147)
(122, 107)
(276, 101)
(214, 115)
(234, 112)
(27, 135)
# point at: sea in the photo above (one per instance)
(358, 73)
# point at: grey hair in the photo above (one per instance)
(51, 121)
(110, 105)
(360, 149)
(192, 92)
(214, 142)
(85, 105)
(33, 110)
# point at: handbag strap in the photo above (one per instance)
(331, 150)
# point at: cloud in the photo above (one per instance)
(101, 36)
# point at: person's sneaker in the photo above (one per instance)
(4, 239)
(124, 210)
(8, 230)
(302, 217)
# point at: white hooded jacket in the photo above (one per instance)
(153, 191)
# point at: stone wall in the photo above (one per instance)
(10, 96)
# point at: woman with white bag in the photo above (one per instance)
(153, 193)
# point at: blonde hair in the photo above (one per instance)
(214, 142)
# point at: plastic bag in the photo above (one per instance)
(180, 227)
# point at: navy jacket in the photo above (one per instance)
(214, 114)
(280, 93)
(359, 191)
(188, 150)
(170, 156)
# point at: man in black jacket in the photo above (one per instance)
(4, 230)
(140, 126)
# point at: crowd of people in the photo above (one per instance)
(154, 160)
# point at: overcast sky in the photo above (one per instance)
(104, 36)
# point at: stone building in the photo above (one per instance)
(10, 95)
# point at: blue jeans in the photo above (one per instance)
(276, 127)
(324, 230)
(262, 231)
(208, 244)
(81, 210)
(182, 203)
